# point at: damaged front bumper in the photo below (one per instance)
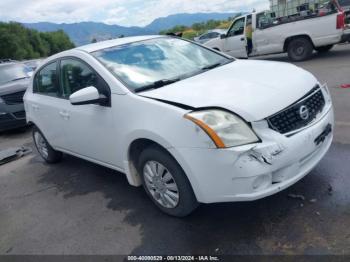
(252, 172)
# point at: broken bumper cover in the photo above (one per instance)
(252, 172)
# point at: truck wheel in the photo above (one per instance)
(166, 183)
(324, 49)
(45, 150)
(300, 49)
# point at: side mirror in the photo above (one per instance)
(222, 36)
(87, 95)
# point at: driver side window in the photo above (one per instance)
(75, 75)
(237, 27)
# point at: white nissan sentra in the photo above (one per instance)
(190, 124)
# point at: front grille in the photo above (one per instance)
(5, 117)
(20, 114)
(291, 118)
(14, 98)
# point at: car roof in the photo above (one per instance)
(115, 42)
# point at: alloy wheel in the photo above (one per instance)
(41, 145)
(161, 184)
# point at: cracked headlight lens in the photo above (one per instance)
(224, 128)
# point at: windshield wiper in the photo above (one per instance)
(20, 78)
(216, 65)
(157, 84)
(211, 66)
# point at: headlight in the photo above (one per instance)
(224, 128)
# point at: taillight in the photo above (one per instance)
(341, 20)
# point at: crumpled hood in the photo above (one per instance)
(252, 89)
(15, 86)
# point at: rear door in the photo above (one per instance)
(235, 43)
(46, 105)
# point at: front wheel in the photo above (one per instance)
(166, 183)
(324, 49)
(300, 49)
(45, 150)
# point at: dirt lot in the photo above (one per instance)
(77, 207)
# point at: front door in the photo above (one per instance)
(90, 128)
(235, 43)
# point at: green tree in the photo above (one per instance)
(198, 26)
(40, 47)
(58, 41)
(14, 41)
(18, 42)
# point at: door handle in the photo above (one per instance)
(35, 107)
(64, 114)
(242, 39)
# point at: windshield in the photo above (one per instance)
(13, 72)
(144, 63)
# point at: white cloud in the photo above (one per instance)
(160, 8)
(122, 12)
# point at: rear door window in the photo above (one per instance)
(46, 81)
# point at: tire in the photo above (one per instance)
(157, 186)
(50, 155)
(324, 49)
(300, 49)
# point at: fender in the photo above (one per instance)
(130, 170)
(129, 167)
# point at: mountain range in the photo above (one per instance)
(84, 32)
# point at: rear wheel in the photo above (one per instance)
(45, 150)
(166, 183)
(300, 49)
(324, 49)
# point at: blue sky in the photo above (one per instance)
(122, 12)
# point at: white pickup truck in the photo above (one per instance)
(297, 36)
